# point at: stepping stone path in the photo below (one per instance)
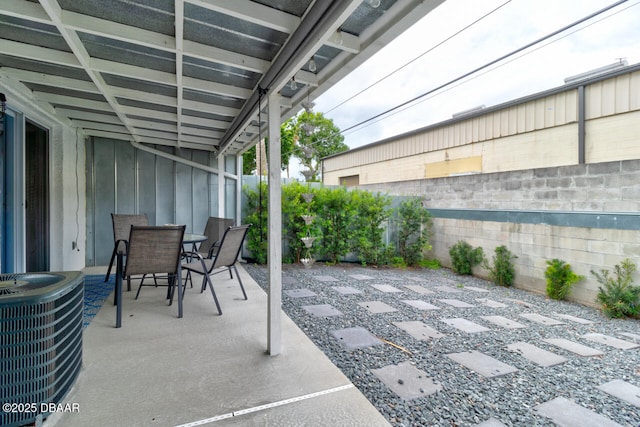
(407, 381)
(419, 330)
(434, 311)
(300, 293)
(485, 365)
(377, 307)
(419, 289)
(565, 412)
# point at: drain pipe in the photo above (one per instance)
(178, 159)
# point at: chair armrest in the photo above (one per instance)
(126, 245)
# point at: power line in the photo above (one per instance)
(418, 57)
(554, 33)
(406, 107)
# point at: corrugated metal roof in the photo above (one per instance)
(186, 73)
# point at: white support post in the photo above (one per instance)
(221, 185)
(274, 235)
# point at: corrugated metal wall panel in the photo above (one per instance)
(165, 189)
(608, 97)
(124, 180)
(634, 92)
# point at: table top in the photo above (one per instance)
(193, 238)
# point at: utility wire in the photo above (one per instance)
(495, 68)
(566, 27)
(418, 57)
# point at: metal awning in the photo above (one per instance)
(187, 73)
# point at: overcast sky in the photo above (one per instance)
(600, 41)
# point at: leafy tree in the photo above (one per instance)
(286, 150)
(315, 137)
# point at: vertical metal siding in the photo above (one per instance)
(124, 180)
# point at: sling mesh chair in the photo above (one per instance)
(214, 230)
(121, 226)
(152, 250)
(226, 258)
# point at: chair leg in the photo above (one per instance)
(113, 256)
(139, 287)
(239, 281)
(215, 298)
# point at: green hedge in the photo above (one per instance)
(346, 222)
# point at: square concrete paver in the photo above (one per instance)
(377, 307)
(407, 381)
(361, 277)
(611, 341)
(419, 289)
(485, 365)
(504, 322)
(622, 390)
(420, 305)
(474, 289)
(491, 303)
(448, 289)
(543, 320)
(417, 279)
(419, 330)
(322, 310)
(634, 337)
(393, 278)
(491, 422)
(567, 413)
(456, 303)
(346, 290)
(536, 355)
(288, 280)
(574, 347)
(386, 288)
(300, 293)
(465, 325)
(573, 318)
(325, 278)
(357, 337)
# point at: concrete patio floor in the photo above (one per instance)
(206, 369)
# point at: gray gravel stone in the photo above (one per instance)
(465, 398)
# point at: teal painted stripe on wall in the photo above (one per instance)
(609, 220)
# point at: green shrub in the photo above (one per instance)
(618, 296)
(464, 257)
(366, 239)
(414, 231)
(560, 278)
(335, 214)
(432, 264)
(256, 211)
(502, 272)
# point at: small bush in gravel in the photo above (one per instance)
(464, 257)
(618, 296)
(560, 279)
(502, 272)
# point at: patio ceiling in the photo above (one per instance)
(186, 73)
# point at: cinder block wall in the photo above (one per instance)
(586, 215)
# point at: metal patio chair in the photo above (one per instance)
(154, 249)
(121, 225)
(225, 259)
(214, 230)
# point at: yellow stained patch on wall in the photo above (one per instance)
(453, 167)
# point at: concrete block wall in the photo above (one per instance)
(579, 195)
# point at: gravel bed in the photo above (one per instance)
(466, 398)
